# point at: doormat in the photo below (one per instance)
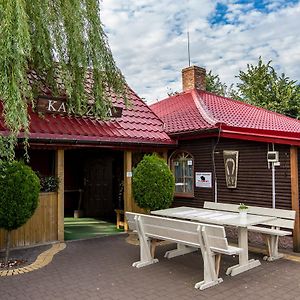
(83, 228)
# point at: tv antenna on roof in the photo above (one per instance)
(188, 47)
(188, 35)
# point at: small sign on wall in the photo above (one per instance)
(203, 179)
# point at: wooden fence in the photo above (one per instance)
(42, 226)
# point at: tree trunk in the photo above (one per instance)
(8, 235)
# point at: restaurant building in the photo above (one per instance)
(219, 149)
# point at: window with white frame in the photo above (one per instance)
(182, 165)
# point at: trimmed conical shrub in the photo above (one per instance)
(153, 183)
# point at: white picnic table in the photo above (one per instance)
(222, 218)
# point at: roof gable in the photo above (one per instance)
(138, 123)
(181, 113)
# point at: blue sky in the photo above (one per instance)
(149, 41)
(222, 9)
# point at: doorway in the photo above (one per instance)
(92, 191)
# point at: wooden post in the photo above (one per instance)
(59, 172)
(165, 155)
(295, 195)
(128, 200)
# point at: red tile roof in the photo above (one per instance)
(199, 111)
(138, 125)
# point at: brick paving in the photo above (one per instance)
(41, 260)
(101, 269)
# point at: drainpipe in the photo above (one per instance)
(274, 164)
(273, 185)
(214, 164)
(216, 190)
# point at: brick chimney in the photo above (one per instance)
(193, 78)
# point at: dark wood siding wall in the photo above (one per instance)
(299, 172)
(254, 185)
(201, 150)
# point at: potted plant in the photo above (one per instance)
(48, 183)
(243, 209)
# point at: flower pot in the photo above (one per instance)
(243, 215)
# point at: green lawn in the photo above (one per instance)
(80, 228)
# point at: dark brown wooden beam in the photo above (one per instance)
(295, 195)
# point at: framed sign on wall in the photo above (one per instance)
(203, 179)
(231, 164)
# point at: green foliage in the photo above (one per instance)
(153, 183)
(261, 86)
(214, 84)
(243, 207)
(19, 191)
(7, 145)
(62, 38)
(48, 183)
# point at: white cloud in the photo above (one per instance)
(149, 44)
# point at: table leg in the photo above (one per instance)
(244, 263)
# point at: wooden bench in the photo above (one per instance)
(210, 239)
(272, 230)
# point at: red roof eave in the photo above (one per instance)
(268, 136)
(250, 134)
(80, 139)
(95, 139)
(194, 134)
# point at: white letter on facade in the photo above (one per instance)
(50, 105)
(62, 107)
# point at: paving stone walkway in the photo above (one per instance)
(101, 269)
(42, 260)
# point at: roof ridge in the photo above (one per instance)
(203, 109)
(251, 105)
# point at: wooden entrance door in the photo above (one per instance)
(98, 188)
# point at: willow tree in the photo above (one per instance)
(55, 38)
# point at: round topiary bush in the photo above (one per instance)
(153, 183)
(19, 191)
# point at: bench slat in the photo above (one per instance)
(230, 251)
(282, 223)
(274, 212)
(269, 231)
(190, 238)
(221, 206)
